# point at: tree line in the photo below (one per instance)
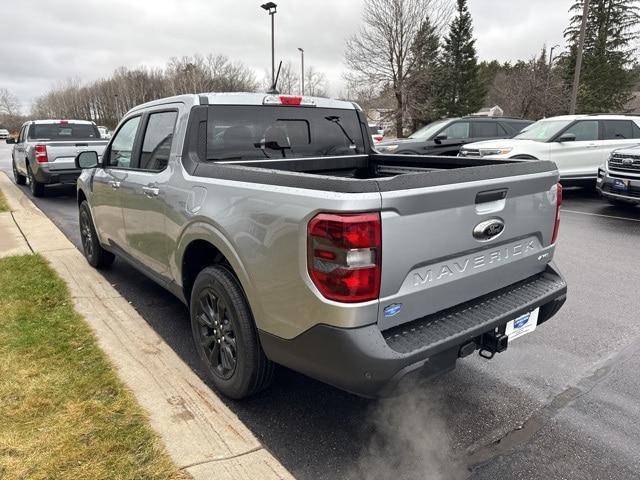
(414, 59)
(404, 60)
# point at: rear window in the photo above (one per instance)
(63, 131)
(263, 132)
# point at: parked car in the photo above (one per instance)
(445, 137)
(45, 150)
(578, 144)
(105, 133)
(4, 134)
(293, 242)
(377, 133)
(619, 179)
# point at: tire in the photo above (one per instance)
(19, 179)
(37, 188)
(524, 157)
(97, 256)
(225, 335)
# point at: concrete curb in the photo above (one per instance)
(201, 434)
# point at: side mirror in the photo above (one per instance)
(11, 140)
(88, 159)
(567, 137)
(440, 137)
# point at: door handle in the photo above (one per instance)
(115, 185)
(151, 191)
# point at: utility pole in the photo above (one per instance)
(576, 77)
(270, 7)
(302, 61)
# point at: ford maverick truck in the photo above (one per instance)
(293, 242)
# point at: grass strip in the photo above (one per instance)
(64, 412)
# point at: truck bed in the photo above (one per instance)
(366, 173)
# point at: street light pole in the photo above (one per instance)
(302, 60)
(271, 7)
(546, 90)
(576, 76)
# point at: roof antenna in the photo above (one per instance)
(274, 88)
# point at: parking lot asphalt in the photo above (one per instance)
(563, 402)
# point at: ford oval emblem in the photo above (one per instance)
(488, 230)
(392, 310)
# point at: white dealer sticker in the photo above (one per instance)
(522, 325)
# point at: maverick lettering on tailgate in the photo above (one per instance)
(450, 269)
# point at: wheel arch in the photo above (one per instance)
(201, 246)
(524, 156)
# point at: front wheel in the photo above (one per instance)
(225, 335)
(19, 179)
(97, 256)
(524, 157)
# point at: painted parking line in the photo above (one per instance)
(601, 215)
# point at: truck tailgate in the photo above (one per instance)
(431, 259)
(62, 154)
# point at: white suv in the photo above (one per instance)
(579, 144)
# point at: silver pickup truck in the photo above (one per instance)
(45, 151)
(293, 242)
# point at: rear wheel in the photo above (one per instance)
(97, 256)
(19, 179)
(225, 335)
(37, 188)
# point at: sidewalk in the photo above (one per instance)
(201, 434)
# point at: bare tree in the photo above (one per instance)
(105, 101)
(381, 53)
(9, 104)
(315, 82)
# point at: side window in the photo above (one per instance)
(156, 145)
(584, 131)
(486, 130)
(21, 136)
(122, 146)
(456, 131)
(618, 129)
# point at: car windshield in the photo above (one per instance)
(543, 130)
(428, 131)
(239, 132)
(63, 131)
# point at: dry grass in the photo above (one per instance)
(64, 413)
(4, 206)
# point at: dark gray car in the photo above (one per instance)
(445, 137)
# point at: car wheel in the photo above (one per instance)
(225, 335)
(37, 188)
(524, 157)
(97, 256)
(19, 179)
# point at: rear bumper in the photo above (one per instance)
(44, 175)
(370, 363)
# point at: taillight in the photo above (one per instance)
(556, 226)
(41, 153)
(344, 256)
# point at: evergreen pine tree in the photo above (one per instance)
(422, 93)
(607, 78)
(461, 91)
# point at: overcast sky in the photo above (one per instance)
(45, 42)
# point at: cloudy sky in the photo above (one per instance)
(45, 42)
